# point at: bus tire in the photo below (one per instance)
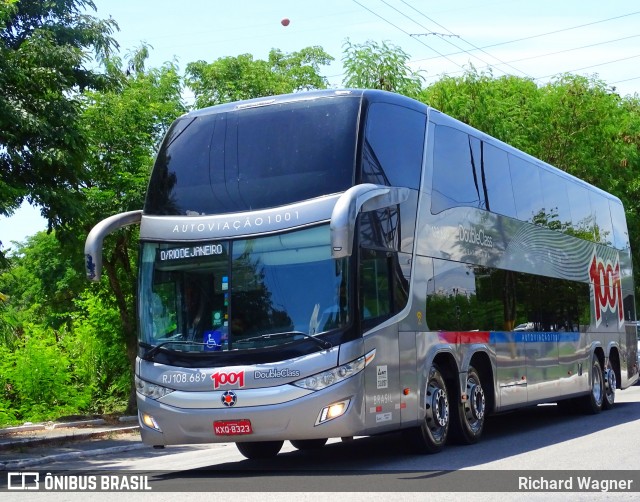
(308, 444)
(469, 415)
(610, 384)
(592, 402)
(260, 449)
(431, 435)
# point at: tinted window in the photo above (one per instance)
(384, 290)
(380, 229)
(581, 215)
(256, 158)
(603, 228)
(498, 179)
(620, 233)
(556, 203)
(463, 297)
(457, 179)
(393, 147)
(526, 189)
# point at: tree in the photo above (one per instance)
(45, 48)
(236, 78)
(379, 66)
(504, 107)
(123, 128)
(41, 284)
(575, 123)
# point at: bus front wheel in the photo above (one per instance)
(260, 449)
(470, 413)
(431, 435)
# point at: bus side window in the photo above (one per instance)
(394, 142)
(526, 190)
(375, 291)
(384, 288)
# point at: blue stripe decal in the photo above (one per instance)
(534, 336)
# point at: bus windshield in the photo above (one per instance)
(242, 294)
(255, 158)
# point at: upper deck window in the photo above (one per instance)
(256, 158)
(393, 146)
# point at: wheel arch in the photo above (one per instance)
(446, 363)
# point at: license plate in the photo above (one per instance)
(232, 427)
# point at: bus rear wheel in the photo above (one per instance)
(610, 384)
(592, 402)
(431, 435)
(308, 444)
(260, 449)
(470, 413)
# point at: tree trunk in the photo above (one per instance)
(129, 324)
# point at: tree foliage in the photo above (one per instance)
(236, 78)
(81, 144)
(575, 123)
(384, 66)
(45, 51)
(124, 127)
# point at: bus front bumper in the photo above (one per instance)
(306, 417)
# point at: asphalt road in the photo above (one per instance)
(539, 441)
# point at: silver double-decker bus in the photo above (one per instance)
(340, 263)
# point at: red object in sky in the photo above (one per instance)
(285, 22)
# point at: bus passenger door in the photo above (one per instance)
(376, 305)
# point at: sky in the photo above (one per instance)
(537, 39)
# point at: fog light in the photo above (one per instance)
(150, 422)
(332, 411)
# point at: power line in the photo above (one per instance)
(422, 26)
(466, 41)
(545, 34)
(408, 34)
(567, 50)
(591, 66)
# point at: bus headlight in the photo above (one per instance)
(330, 377)
(152, 390)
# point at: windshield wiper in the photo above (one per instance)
(322, 343)
(152, 350)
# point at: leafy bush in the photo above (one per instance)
(38, 378)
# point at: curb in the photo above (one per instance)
(73, 437)
(79, 423)
(7, 431)
(22, 428)
(30, 462)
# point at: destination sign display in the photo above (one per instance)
(189, 252)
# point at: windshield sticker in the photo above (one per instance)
(213, 340)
